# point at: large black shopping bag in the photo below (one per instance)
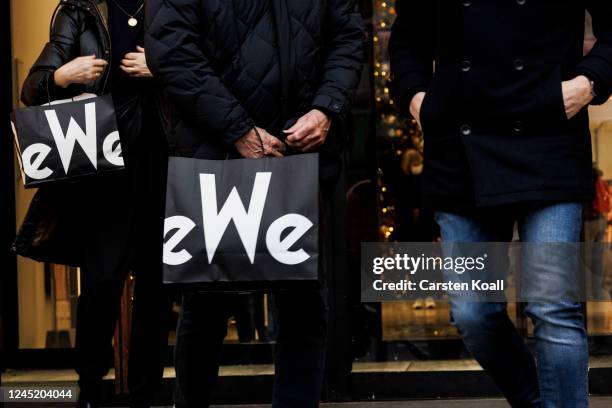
(242, 224)
(66, 140)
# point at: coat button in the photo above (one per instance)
(521, 2)
(466, 3)
(466, 65)
(466, 130)
(519, 64)
(517, 126)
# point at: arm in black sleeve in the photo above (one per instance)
(39, 86)
(175, 58)
(597, 64)
(411, 49)
(343, 57)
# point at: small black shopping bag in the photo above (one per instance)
(242, 224)
(67, 140)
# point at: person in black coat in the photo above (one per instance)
(501, 89)
(232, 70)
(111, 224)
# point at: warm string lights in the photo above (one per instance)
(395, 134)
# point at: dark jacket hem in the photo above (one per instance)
(462, 204)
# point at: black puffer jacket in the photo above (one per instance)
(219, 63)
(79, 28)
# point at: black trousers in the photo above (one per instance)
(300, 347)
(97, 313)
(122, 232)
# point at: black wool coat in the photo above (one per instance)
(493, 117)
(220, 64)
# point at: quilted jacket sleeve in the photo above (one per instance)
(597, 65)
(343, 57)
(176, 59)
(411, 49)
(39, 85)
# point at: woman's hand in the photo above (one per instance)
(415, 107)
(135, 64)
(309, 132)
(81, 70)
(250, 145)
(577, 93)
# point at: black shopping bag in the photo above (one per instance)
(242, 224)
(67, 140)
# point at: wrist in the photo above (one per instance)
(60, 79)
(415, 103)
(322, 113)
(588, 88)
(244, 136)
(252, 132)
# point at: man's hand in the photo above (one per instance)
(415, 107)
(250, 145)
(309, 132)
(577, 93)
(135, 64)
(81, 70)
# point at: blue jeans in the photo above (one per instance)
(560, 377)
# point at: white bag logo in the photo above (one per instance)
(247, 222)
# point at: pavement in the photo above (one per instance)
(596, 402)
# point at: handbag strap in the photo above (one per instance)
(53, 16)
(60, 5)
